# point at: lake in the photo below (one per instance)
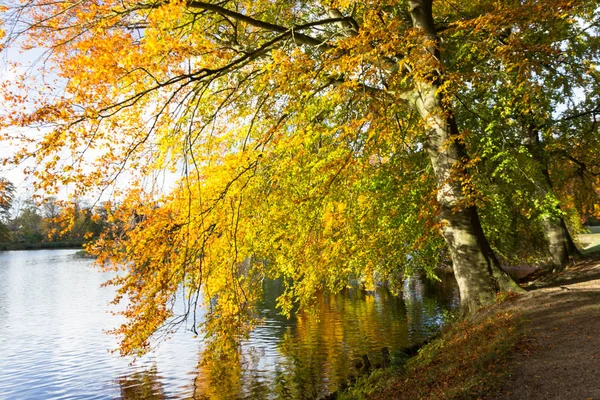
(54, 314)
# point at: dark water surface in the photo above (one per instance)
(53, 315)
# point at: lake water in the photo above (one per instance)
(53, 345)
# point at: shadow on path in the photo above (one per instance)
(560, 357)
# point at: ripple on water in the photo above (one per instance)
(53, 315)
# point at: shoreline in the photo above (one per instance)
(513, 349)
(67, 244)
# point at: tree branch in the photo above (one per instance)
(572, 117)
(298, 37)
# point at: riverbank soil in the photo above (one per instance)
(560, 356)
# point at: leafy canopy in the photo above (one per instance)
(289, 124)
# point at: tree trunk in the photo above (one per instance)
(560, 243)
(561, 247)
(476, 269)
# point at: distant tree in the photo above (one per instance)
(28, 223)
(51, 211)
(7, 193)
(98, 219)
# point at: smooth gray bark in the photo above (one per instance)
(476, 269)
(561, 246)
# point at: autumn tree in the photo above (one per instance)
(50, 211)
(575, 164)
(519, 104)
(74, 219)
(318, 143)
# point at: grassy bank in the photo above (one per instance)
(66, 244)
(467, 361)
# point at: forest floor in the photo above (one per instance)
(541, 345)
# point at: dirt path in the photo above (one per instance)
(561, 354)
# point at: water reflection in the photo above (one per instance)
(142, 385)
(427, 304)
(320, 349)
(315, 352)
(53, 314)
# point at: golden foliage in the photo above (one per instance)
(299, 158)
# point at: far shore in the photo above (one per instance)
(67, 244)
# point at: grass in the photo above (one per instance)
(467, 361)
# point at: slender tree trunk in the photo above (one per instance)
(561, 247)
(476, 269)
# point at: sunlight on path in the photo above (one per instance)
(590, 240)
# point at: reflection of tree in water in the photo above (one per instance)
(317, 351)
(445, 291)
(427, 301)
(229, 371)
(322, 347)
(219, 371)
(142, 385)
